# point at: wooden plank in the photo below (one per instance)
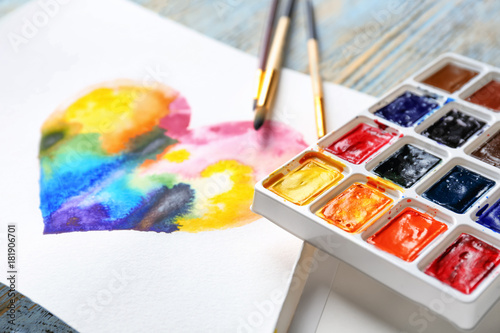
(366, 45)
(29, 316)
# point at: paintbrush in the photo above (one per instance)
(312, 50)
(273, 66)
(264, 50)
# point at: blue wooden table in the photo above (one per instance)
(366, 45)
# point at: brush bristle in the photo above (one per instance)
(260, 117)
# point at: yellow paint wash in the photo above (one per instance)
(177, 156)
(118, 114)
(306, 182)
(225, 197)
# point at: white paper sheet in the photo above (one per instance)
(129, 281)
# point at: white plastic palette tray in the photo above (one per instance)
(335, 297)
(406, 277)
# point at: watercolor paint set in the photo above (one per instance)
(408, 191)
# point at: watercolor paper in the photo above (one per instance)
(128, 280)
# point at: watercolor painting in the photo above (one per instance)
(122, 156)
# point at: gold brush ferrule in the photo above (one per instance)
(265, 91)
(320, 116)
(258, 83)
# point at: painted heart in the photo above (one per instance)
(121, 156)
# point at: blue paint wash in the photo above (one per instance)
(73, 181)
(161, 210)
(407, 109)
(459, 189)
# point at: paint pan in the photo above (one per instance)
(354, 208)
(465, 263)
(407, 165)
(458, 189)
(408, 108)
(485, 92)
(407, 234)
(451, 77)
(453, 129)
(488, 96)
(306, 179)
(360, 143)
(489, 151)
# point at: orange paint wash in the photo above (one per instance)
(408, 234)
(354, 209)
